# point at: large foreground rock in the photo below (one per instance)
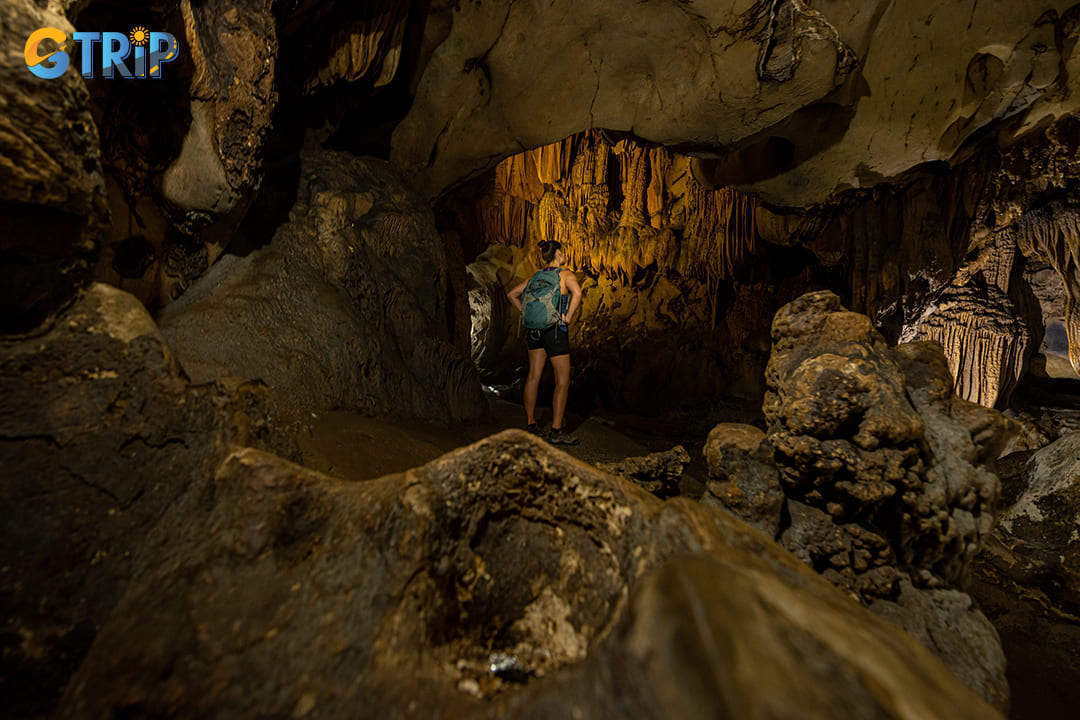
(871, 471)
(1028, 579)
(502, 580)
(100, 435)
(346, 308)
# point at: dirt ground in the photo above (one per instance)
(356, 448)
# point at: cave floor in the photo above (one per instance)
(353, 447)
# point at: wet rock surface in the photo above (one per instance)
(502, 580)
(881, 471)
(100, 435)
(346, 308)
(1027, 578)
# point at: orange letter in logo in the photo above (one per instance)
(35, 61)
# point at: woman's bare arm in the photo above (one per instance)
(515, 294)
(575, 296)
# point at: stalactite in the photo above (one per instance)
(1051, 233)
(985, 342)
(620, 219)
(368, 47)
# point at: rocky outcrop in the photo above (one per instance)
(777, 87)
(743, 476)
(233, 46)
(53, 209)
(100, 435)
(1051, 233)
(346, 308)
(502, 580)
(1027, 577)
(657, 473)
(880, 468)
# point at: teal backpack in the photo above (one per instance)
(540, 300)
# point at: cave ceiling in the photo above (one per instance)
(805, 99)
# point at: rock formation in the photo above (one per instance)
(1028, 576)
(233, 46)
(502, 580)
(657, 473)
(812, 100)
(52, 191)
(99, 436)
(871, 472)
(346, 308)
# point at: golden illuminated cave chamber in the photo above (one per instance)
(674, 295)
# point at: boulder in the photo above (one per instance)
(346, 308)
(743, 476)
(505, 579)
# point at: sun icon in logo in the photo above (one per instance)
(139, 36)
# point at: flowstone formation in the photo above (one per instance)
(503, 580)
(871, 472)
(346, 308)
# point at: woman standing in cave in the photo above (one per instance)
(552, 343)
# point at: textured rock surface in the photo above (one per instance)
(411, 595)
(233, 46)
(1028, 579)
(986, 344)
(743, 476)
(877, 441)
(815, 99)
(52, 192)
(346, 308)
(99, 436)
(657, 472)
(880, 467)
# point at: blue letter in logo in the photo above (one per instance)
(114, 48)
(164, 48)
(86, 42)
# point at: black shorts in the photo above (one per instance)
(555, 340)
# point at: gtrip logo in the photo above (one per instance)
(151, 51)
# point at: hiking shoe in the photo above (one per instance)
(561, 437)
(534, 429)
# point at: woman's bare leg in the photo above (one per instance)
(532, 382)
(561, 365)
